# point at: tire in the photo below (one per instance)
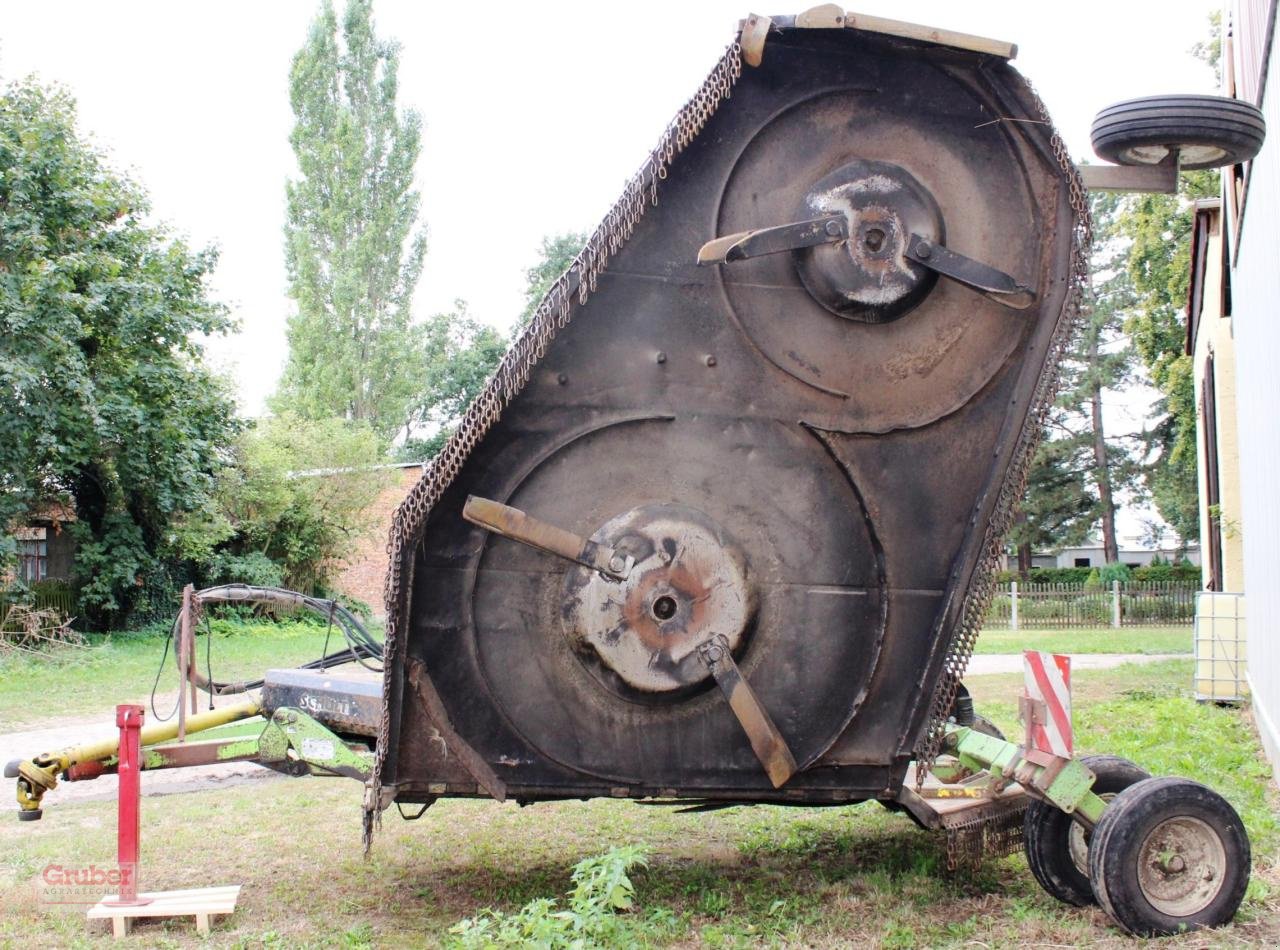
(1057, 848)
(984, 725)
(1169, 855)
(1206, 131)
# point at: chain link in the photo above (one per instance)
(978, 597)
(553, 314)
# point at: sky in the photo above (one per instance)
(535, 115)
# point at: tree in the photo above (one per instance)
(556, 254)
(1057, 509)
(104, 396)
(1080, 470)
(460, 355)
(299, 496)
(1102, 359)
(1159, 229)
(353, 249)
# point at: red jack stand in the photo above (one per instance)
(122, 908)
(128, 824)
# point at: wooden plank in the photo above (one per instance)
(929, 34)
(201, 902)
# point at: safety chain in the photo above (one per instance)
(978, 597)
(553, 314)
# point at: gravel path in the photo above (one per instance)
(68, 732)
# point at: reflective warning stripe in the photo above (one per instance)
(1048, 679)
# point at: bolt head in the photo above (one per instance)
(710, 360)
(923, 249)
(833, 228)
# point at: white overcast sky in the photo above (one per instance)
(535, 115)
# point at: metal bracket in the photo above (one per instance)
(766, 741)
(515, 524)
(1065, 783)
(1159, 179)
(829, 229)
(984, 278)
(454, 744)
(754, 32)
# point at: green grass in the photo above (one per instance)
(744, 877)
(1123, 640)
(120, 668)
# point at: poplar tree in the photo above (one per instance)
(353, 245)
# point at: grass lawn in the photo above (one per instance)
(851, 877)
(121, 668)
(1105, 640)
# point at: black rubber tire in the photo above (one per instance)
(1208, 131)
(984, 725)
(1137, 821)
(1047, 832)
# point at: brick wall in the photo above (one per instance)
(364, 574)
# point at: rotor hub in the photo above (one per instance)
(869, 277)
(689, 583)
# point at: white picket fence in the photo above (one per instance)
(1047, 606)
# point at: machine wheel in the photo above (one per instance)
(1169, 855)
(1205, 131)
(984, 725)
(1057, 847)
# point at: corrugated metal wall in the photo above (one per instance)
(1256, 318)
(1251, 20)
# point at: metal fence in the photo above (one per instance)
(1061, 606)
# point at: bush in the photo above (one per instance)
(1047, 575)
(601, 889)
(1183, 572)
(254, 568)
(1114, 572)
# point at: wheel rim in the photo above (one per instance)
(1187, 154)
(1078, 841)
(1181, 866)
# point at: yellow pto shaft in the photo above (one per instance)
(39, 774)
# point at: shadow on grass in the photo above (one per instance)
(779, 872)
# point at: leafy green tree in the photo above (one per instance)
(554, 257)
(104, 396)
(1080, 469)
(353, 248)
(1158, 228)
(1057, 509)
(1101, 359)
(461, 355)
(300, 495)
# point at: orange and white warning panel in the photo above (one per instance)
(1048, 681)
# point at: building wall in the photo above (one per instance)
(1216, 335)
(1132, 556)
(366, 570)
(1255, 289)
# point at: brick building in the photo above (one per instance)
(363, 576)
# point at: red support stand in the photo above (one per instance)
(128, 826)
